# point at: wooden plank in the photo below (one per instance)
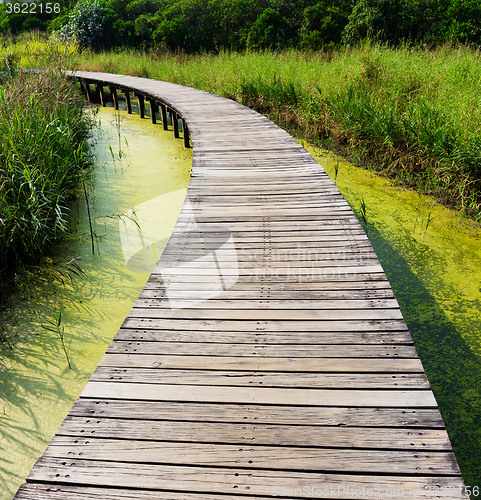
(274, 304)
(301, 289)
(342, 397)
(265, 326)
(242, 481)
(269, 350)
(293, 315)
(255, 456)
(369, 438)
(259, 414)
(56, 491)
(325, 365)
(319, 338)
(264, 379)
(152, 292)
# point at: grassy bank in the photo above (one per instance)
(43, 158)
(413, 114)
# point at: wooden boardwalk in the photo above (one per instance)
(266, 355)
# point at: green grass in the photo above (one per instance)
(410, 113)
(43, 157)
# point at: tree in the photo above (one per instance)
(323, 24)
(268, 32)
(85, 24)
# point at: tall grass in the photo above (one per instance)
(413, 114)
(410, 113)
(43, 157)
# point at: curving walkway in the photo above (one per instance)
(266, 355)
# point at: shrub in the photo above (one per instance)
(86, 23)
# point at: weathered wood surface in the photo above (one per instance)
(266, 355)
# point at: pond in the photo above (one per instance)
(137, 162)
(432, 258)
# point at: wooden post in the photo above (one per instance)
(127, 102)
(185, 133)
(153, 109)
(100, 91)
(113, 93)
(163, 112)
(82, 86)
(87, 91)
(140, 97)
(175, 123)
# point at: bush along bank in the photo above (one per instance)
(43, 159)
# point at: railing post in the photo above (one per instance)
(163, 112)
(127, 102)
(82, 86)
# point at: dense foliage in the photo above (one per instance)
(43, 157)
(211, 25)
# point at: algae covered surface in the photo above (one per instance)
(432, 258)
(37, 388)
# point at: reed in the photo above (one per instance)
(363, 211)
(43, 158)
(58, 328)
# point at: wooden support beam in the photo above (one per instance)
(153, 110)
(100, 92)
(186, 134)
(87, 92)
(175, 123)
(82, 86)
(163, 112)
(127, 102)
(140, 97)
(113, 93)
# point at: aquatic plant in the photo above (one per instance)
(336, 171)
(363, 210)
(43, 158)
(56, 326)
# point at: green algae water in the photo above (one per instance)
(432, 258)
(142, 176)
